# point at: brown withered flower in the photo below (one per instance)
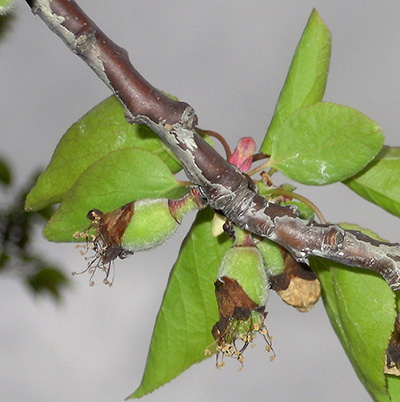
(240, 319)
(106, 242)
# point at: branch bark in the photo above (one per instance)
(228, 191)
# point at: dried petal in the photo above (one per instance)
(301, 293)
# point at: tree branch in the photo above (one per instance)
(228, 191)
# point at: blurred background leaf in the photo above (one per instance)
(17, 256)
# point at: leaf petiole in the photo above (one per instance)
(304, 200)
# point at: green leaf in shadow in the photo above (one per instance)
(6, 21)
(361, 308)
(5, 173)
(379, 181)
(48, 279)
(324, 143)
(118, 178)
(189, 309)
(101, 131)
(306, 79)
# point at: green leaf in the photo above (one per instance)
(306, 79)
(101, 131)
(379, 181)
(189, 309)
(361, 308)
(393, 387)
(324, 143)
(322, 268)
(118, 178)
(5, 5)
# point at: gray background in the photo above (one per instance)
(229, 60)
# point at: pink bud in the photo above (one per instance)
(242, 157)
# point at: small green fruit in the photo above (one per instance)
(241, 312)
(273, 259)
(151, 225)
(246, 266)
(137, 226)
